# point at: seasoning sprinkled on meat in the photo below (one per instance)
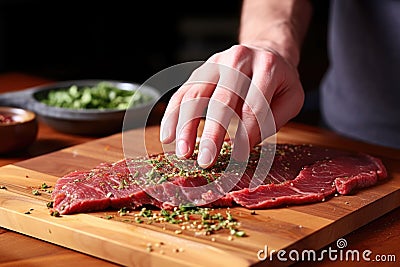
(299, 174)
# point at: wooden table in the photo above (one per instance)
(381, 236)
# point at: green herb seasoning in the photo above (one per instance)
(36, 192)
(166, 166)
(201, 221)
(55, 213)
(101, 96)
(123, 211)
(44, 186)
(49, 204)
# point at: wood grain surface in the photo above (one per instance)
(298, 227)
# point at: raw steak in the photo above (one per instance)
(298, 174)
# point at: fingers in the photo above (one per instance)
(221, 109)
(257, 121)
(171, 115)
(220, 101)
(185, 109)
(256, 124)
(200, 78)
(191, 110)
(275, 96)
(224, 86)
(223, 89)
(287, 105)
(231, 88)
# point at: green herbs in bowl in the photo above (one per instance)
(103, 95)
(92, 107)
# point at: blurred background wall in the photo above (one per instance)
(132, 40)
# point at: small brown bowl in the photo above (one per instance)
(18, 129)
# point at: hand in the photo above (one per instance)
(246, 81)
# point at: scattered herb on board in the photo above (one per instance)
(36, 192)
(52, 211)
(43, 188)
(201, 221)
(29, 211)
(55, 213)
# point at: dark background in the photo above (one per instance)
(132, 40)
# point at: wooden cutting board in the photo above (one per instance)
(297, 228)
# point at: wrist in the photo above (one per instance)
(290, 54)
(279, 37)
(279, 25)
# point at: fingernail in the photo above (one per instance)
(165, 134)
(182, 148)
(205, 157)
(207, 153)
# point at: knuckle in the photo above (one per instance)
(212, 134)
(191, 95)
(185, 128)
(177, 96)
(215, 57)
(225, 97)
(199, 74)
(240, 49)
(204, 75)
(267, 59)
(254, 112)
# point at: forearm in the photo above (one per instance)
(277, 24)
